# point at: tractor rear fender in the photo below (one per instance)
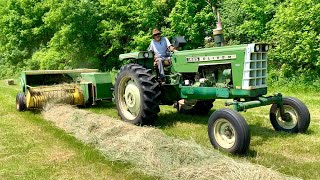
(143, 58)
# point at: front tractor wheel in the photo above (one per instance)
(228, 131)
(137, 95)
(296, 116)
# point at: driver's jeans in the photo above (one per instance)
(159, 62)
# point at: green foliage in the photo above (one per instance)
(245, 20)
(296, 33)
(21, 32)
(193, 19)
(64, 34)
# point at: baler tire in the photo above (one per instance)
(225, 121)
(293, 107)
(140, 80)
(20, 102)
(202, 107)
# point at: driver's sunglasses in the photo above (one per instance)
(158, 34)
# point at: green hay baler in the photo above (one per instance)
(77, 87)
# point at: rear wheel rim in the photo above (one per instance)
(224, 133)
(129, 98)
(288, 123)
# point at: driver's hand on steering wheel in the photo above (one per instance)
(171, 48)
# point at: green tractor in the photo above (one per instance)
(195, 79)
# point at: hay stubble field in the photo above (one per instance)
(32, 148)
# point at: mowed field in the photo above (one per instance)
(31, 147)
(292, 154)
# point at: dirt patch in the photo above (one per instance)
(150, 150)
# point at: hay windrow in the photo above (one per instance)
(150, 150)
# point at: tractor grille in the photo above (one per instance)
(255, 70)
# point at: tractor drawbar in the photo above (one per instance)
(260, 101)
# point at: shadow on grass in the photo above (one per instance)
(169, 119)
(103, 105)
(35, 111)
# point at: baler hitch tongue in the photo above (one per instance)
(260, 101)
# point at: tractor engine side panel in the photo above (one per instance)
(192, 60)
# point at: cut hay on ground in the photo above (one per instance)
(150, 150)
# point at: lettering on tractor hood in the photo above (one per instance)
(211, 58)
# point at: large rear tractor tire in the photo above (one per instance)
(228, 131)
(137, 95)
(194, 107)
(297, 116)
(20, 102)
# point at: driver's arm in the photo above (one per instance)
(170, 47)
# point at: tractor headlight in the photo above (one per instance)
(146, 55)
(257, 47)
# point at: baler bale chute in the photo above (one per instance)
(76, 87)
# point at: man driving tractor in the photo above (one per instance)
(159, 45)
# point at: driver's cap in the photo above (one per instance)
(155, 31)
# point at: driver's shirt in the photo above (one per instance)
(160, 48)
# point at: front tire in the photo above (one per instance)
(137, 95)
(228, 131)
(20, 102)
(296, 113)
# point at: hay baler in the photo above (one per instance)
(194, 80)
(77, 87)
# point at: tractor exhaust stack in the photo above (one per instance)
(218, 32)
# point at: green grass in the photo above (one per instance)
(292, 154)
(32, 148)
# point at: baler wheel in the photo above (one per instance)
(228, 131)
(137, 95)
(297, 116)
(198, 107)
(21, 102)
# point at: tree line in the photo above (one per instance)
(64, 34)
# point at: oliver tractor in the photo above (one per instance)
(195, 78)
(193, 81)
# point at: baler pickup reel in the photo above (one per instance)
(37, 97)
